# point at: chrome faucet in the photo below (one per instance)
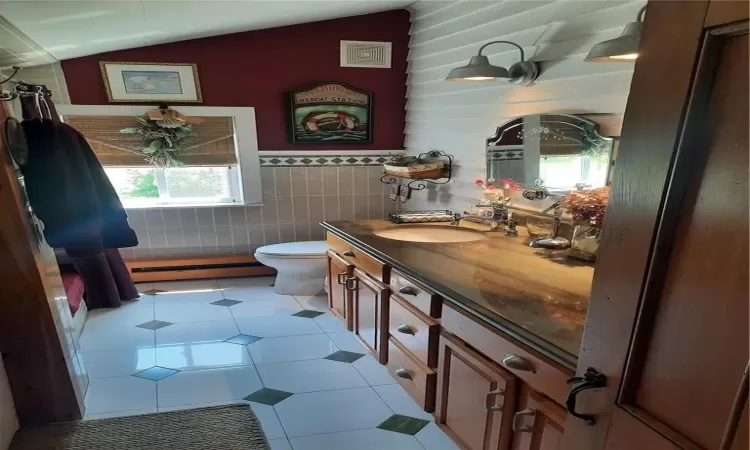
(552, 241)
(500, 215)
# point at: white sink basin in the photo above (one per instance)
(430, 234)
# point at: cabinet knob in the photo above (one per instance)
(406, 329)
(512, 361)
(517, 417)
(403, 373)
(348, 253)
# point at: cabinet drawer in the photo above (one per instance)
(418, 295)
(415, 331)
(418, 379)
(353, 255)
(543, 375)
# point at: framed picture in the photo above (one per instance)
(151, 82)
(330, 113)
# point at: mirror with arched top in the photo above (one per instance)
(564, 151)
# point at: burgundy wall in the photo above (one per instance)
(256, 68)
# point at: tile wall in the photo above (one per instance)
(298, 193)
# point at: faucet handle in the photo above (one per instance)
(510, 229)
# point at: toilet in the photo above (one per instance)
(301, 266)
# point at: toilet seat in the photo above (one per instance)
(295, 250)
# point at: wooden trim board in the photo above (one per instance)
(194, 273)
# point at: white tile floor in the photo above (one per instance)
(324, 404)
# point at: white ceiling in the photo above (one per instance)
(68, 29)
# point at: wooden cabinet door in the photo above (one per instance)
(370, 306)
(539, 422)
(476, 398)
(668, 318)
(339, 300)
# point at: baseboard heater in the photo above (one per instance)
(186, 268)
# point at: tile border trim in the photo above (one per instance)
(328, 159)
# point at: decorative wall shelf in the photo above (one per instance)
(418, 184)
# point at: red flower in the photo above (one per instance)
(479, 182)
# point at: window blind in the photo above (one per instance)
(213, 144)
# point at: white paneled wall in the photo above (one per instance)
(50, 75)
(457, 117)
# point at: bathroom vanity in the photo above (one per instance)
(483, 332)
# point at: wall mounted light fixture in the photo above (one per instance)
(480, 69)
(620, 49)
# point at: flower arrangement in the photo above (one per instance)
(163, 142)
(587, 206)
(506, 183)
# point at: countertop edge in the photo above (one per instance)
(503, 325)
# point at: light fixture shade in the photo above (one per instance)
(621, 49)
(478, 69)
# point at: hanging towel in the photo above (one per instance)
(70, 193)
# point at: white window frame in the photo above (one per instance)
(235, 193)
(245, 141)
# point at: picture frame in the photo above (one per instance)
(151, 82)
(330, 113)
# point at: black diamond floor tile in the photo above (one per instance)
(154, 324)
(403, 424)
(156, 373)
(243, 339)
(344, 356)
(308, 314)
(153, 292)
(268, 396)
(226, 302)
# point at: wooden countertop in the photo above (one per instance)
(538, 296)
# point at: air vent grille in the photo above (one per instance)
(366, 54)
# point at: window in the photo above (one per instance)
(565, 171)
(221, 162)
(142, 187)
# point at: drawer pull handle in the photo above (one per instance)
(490, 400)
(406, 329)
(354, 284)
(408, 290)
(592, 379)
(403, 373)
(520, 415)
(349, 253)
(512, 361)
(341, 278)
